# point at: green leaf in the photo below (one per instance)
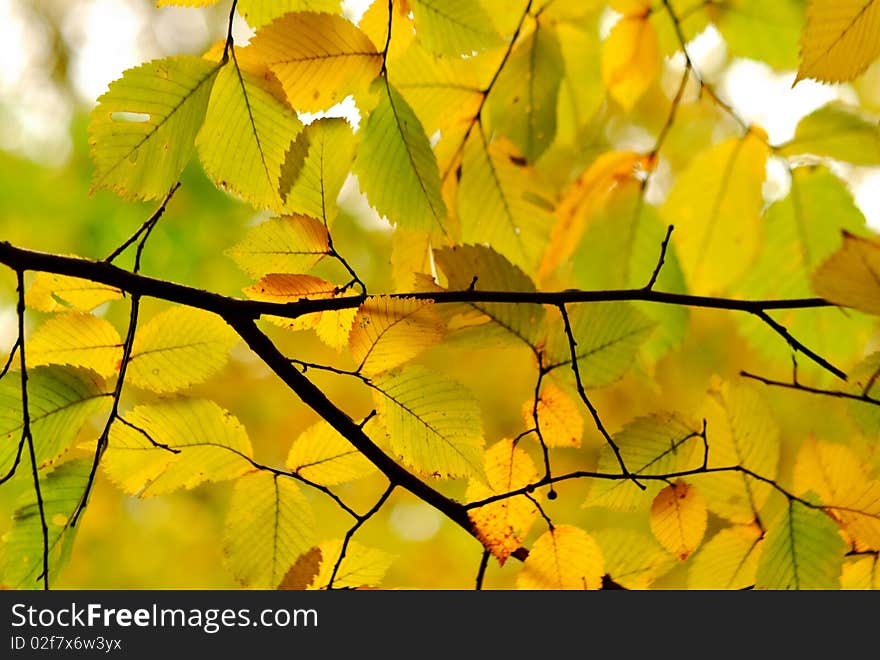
(800, 232)
(453, 27)
(865, 380)
(322, 455)
(270, 523)
(632, 559)
(319, 58)
(652, 445)
(523, 102)
(433, 423)
(760, 30)
(79, 340)
(839, 132)
(803, 550)
(729, 560)
(607, 335)
(177, 348)
(395, 166)
(210, 445)
(144, 127)
(486, 270)
(502, 202)
(60, 401)
(21, 553)
(290, 244)
(246, 135)
(316, 167)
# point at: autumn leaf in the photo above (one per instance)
(729, 560)
(841, 38)
(322, 455)
(49, 292)
(849, 277)
(678, 519)
(289, 244)
(564, 557)
(631, 57)
(559, 418)
(78, 340)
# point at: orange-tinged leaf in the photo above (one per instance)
(559, 417)
(389, 332)
(57, 293)
(502, 526)
(282, 288)
(845, 489)
(303, 571)
(289, 244)
(564, 557)
(841, 38)
(630, 59)
(319, 58)
(678, 519)
(851, 276)
(80, 340)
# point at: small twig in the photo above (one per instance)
(838, 394)
(481, 572)
(663, 247)
(782, 331)
(540, 509)
(146, 227)
(143, 432)
(230, 43)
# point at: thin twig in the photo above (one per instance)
(146, 227)
(663, 246)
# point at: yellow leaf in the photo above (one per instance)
(845, 489)
(280, 288)
(453, 27)
(375, 21)
(715, 205)
(260, 12)
(564, 557)
(861, 572)
(361, 566)
(502, 526)
(211, 445)
(632, 559)
(322, 455)
(559, 417)
(290, 244)
(678, 519)
(269, 524)
(729, 560)
(57, 293)
(389, 332)
(741, 431)
(319, 58)
(410, 255)
(178, 348)
(80, 340)
(851, 276)
(334, 327)
(630, 58)
(841, 38)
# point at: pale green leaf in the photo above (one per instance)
(803, 550)
(839, 132)
(79, 340)
(289, 244)
(632, 559)
(395, 166)
(322, 455)
(433, 423)
(269, 524)
(453, 27)
(60, 401)
(760, 30)
(178, 443)
(177, 348)
(144, 128)
(21, 552)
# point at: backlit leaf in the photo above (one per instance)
(678, 519)
(715, 205)
(632, 559)
(729, 560)
(502, 525)
(246, 119)
(49, 292)
(559, 417)
(144, 127)
(631, 57)
(651, 445)
(319, 58)
(864, 380)
(334, 328)
(211, 445)
(759, 30)
(841, 38)
(21, 561)
(361, 566)
(389, 332)
(845, 488)
(836, 131)
(433, 423)
(177, 348)
(261, 12)
(803, 550)
(453, 27)
(564, 557)
(861, 572)
(395, 166)
(290, 244)
(851, 276)
(79, 340)
(269, 524)
(60, 401)
(280, 288)
(322, 455)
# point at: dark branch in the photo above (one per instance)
(146, 227)
(663, 247)
(838, 394)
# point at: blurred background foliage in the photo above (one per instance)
(59, 56)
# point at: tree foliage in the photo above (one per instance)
(606, 360)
